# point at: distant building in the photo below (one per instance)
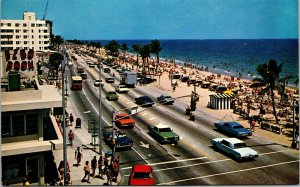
(28, 33)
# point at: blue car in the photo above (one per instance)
(144, 101)
(233, 128)
(121, 140)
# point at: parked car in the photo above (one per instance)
(221, 89)
(83, 75)
(122, 89)
(106, 70)
(144, 101)
(112, 95)
(121, 140)
(141, 175)
(97, 83)
(233, 128)
(163, 134)
(234, 147)
(110, 80)
(165, 99)
(124, 120)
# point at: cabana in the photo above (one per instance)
(220, 101)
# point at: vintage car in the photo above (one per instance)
(141, 175)
(163, 134)
(97, 83)
(83, 75)
(121, 140)
(233, 128)
(234, 147)
(112, 95)
(122, 89)
(124, 120)
(144, 101)
(165, 99)
(109, 80)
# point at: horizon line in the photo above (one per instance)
(199, 39)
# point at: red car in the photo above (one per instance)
(141, 175)
(124, 120)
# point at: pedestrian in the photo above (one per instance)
(61, 169)
(108, 175)
(252, 125)
(116, 167)
(78, 156)
(71, 119)
(86, 169)
(69, 181)
(100, 165)
(105, 162)
(71, 137)
(94, 166)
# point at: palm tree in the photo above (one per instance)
(156, 48)
(113, 48)
(56, 40)
(270, 80)
(145, 53)
(136, 48)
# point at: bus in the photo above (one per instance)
(76, 83)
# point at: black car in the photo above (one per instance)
(110, 80)
(144, 101)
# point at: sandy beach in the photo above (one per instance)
(164, 82)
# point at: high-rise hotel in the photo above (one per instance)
(28, 33)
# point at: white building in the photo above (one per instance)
(29, 132)
(28, 33)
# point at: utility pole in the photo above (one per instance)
(113, 133)
(100, 111)
(64, 114)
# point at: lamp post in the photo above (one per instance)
(100, 110)
(64, 115)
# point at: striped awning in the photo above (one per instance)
(222, 95)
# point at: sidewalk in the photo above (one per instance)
(82, 139)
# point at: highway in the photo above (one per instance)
(192, 161)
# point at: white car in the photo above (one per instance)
(122, 89)
(234, 147)
(97, 83)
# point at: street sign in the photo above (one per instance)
(93, 127)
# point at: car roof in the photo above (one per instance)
(141, 168)
(161, 126)
(233, 140)
(233, 123)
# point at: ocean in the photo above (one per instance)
(230, 57)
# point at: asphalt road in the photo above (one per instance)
(192, 161)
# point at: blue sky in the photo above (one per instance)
(163, 19)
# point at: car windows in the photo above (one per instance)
(224, 142)
(142, 175)
(239, 145)
(226, 125)
(237, 127)
(165, 130)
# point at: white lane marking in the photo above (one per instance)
(229, 172)
(93, 106)
(214, 161)
(152, 118)
(140, 156)
(169, 162)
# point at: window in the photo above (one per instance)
(18, 125)
(6, 131)
(17, 24)
(17, 42)
(17, 36)
(39, 36)
(17, 30)
(32, 30)
(32, 36)
(45, 31)
(9, 24)
(6, 42)
(25, 42)
(25, 36)
(24, 25)
(31, 124)
(32, 42)
(40, 42)
(32, 25)
(25, 30)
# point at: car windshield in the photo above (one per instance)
(165, 130)
(168, 97)
(239, 145)
(122, 86)
(237, 127)
(142, 175)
